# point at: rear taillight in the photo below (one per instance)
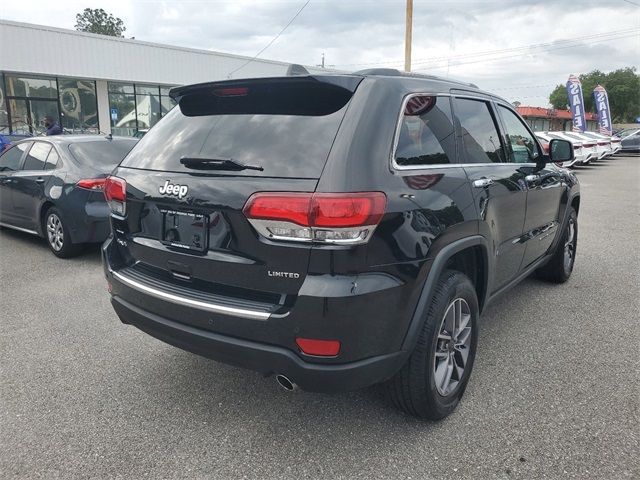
(339, 218)
(115, 191)
(92, 183)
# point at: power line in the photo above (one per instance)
(504, 50)
(632, 3)
(559, 44)
(504, 57)
(272, 40)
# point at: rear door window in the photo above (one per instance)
(426, 133)
(10, 159)
(478, 131)
(37, 156)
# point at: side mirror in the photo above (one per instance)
(560, 150)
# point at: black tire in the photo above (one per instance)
(413, 389)
(59, 240)
(559, 268)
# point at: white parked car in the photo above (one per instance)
(582, 157)
(612, 142)
(603, 148)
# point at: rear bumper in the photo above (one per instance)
(263, 358)
(371, 327)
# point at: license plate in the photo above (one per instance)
(184, 230)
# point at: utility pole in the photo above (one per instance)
(407, 36)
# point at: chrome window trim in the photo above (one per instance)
(396, 135)
(189, 302)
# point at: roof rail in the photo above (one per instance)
(392, 72)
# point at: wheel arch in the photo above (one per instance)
(469, 253)
(43, 211)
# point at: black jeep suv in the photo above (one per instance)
(336, 231)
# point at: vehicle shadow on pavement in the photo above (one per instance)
(90, 253)
(228, 397)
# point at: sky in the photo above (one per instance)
(517, 49)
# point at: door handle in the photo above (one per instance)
(482, 182)
(532, 178)
(39, 180)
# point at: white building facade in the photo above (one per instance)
(94, 83)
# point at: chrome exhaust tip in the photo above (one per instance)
(285, 383)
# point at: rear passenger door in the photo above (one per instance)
(499, 188)
(27, 188)
(10, 162)
(544, 184)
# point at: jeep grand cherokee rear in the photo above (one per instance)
(281, 225)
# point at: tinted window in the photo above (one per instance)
(52, 160)
(36, 156)
(426, 132)
(521, 146)
(10, 159)
(480, 139)
(284, 145)
(103, 155)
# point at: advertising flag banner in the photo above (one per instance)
(602, 107)
(576, 103)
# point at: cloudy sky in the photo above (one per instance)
(518, 49)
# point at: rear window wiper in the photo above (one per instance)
(200, 163)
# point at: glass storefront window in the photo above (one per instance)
(166, 104)
(147, 90)
(31, 87)
(137, 107)
(4, 116)
(19, 117)
(122, 110)
(79, 107)
(148, 110)
(121, 87)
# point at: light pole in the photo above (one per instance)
(407, 36)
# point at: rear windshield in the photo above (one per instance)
(283, 145)
(101, 153)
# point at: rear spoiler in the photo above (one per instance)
(291, 95)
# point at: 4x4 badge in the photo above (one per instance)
(173, 189)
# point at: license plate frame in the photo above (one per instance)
(185, 230)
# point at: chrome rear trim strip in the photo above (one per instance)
(189, 302)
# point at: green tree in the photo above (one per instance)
(98, 21)
(622, 85)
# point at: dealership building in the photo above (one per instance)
(95, 83)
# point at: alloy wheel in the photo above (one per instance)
(570, 246)
(452, 348)
(55, 233)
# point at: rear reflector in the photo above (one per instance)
(91, 183)
(115, 191)
(347, 218)
(319, 348)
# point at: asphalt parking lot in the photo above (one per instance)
(554, 393)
